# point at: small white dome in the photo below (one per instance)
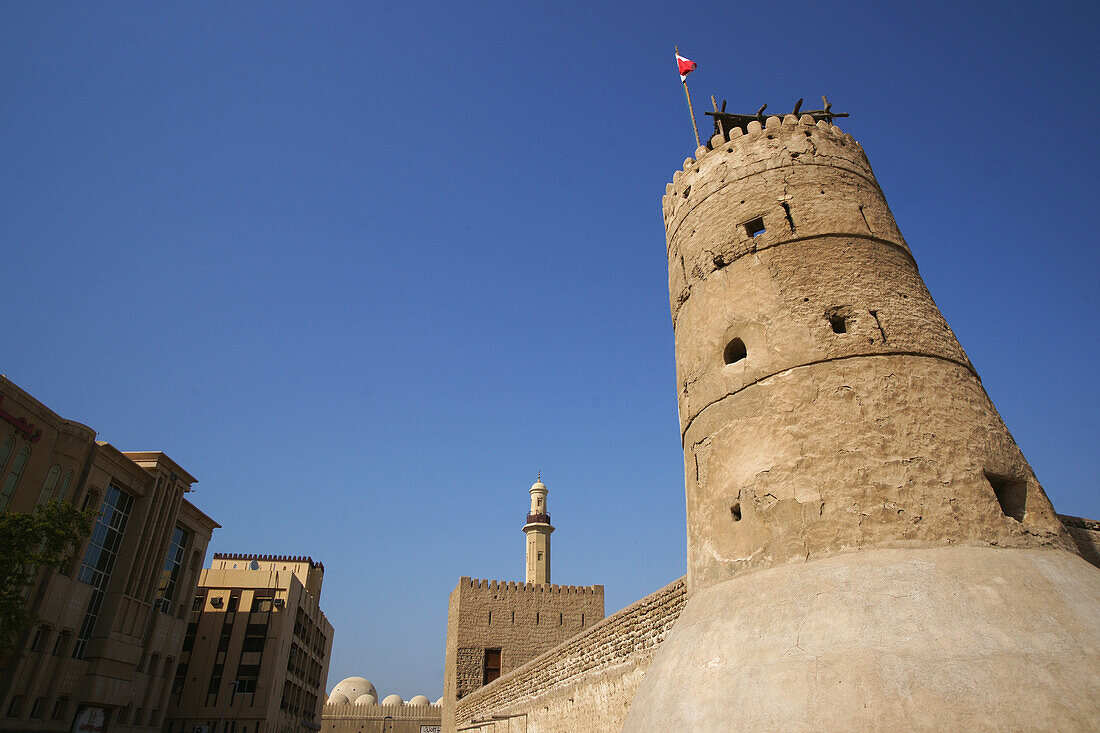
(338, 698)
(367, 699)
(353, 688)
(438, 702)
(420, 700)
(393, 700)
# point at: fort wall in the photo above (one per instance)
(586, 683)
(520, 620)
(1086, 535)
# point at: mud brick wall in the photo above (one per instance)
(586, 684)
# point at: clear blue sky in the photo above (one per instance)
(365, 268)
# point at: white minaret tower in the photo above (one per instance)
(538, 531)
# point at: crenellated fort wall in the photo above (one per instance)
(586, 683)
(522, 620)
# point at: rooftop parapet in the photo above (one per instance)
(268, 558)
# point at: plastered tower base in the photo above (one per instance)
(888, 639)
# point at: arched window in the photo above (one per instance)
(65, 486)
(13, 476)
(50, 485)
(5, 451)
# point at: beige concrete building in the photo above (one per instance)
(868, 549)
(353, 707)
(111, 624)
(257, 648)
(494, 627)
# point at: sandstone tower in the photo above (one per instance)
(867, 546)
(538, 531)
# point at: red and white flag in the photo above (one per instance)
(686, 66)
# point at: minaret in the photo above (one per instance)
(538, 531)
(867, 546)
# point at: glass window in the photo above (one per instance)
(65, 486)
(5, 451)
(99, 559)
(169, 574)
(50, 485)
(13, 475)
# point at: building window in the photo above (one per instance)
(491, 668)
(5, 451)
(40, 635)
(99, 559)
(196, 605)
(61, 645)
(189, 636)
(180, 679)
(166, 591)
(13, 475)
(254, 637)
(60, 708)
(65, 490)
(247, 674)
(38, 708)
(50, 485)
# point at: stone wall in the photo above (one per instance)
(352, 718)
(522, 620)
(1086, 535)
(586, 684)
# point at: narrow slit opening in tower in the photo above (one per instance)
(1011, 495)
(838, 323)
(735, 351)
(735, 511)
(755, 227)
(787, 212)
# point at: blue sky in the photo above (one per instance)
(365, 268)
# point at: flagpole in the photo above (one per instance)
(691, 109)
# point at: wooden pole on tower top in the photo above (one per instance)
(687, 94)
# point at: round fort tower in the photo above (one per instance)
(867, 546)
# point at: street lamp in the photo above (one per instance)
(221, 720)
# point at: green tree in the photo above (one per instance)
(28, 542)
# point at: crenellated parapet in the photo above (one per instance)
(247, 557)
(511, 586)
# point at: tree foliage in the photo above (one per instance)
(28, 542)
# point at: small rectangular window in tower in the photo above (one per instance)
(1011, 495)
(755, 227)
(491, 667)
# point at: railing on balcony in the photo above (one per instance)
(538, 519)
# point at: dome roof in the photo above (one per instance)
(393, 700)
(538, 486)
(438, 702)
(352, 689)
(420, 700)
(338, 698)
(367, 699)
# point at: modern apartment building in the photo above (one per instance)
(110, 625)
(256, 654)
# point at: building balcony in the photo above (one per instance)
(538, 519)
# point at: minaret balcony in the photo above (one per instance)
(538, 519)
